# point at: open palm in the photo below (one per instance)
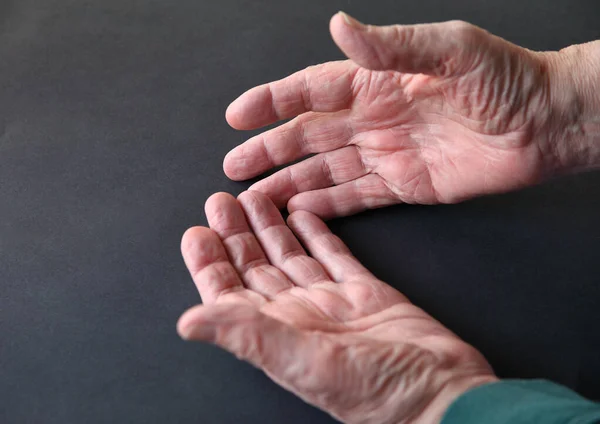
(321, 326)
(424, 114)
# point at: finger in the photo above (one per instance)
(306, 134)
(442, 49)
(320, 88)
(282, 351)
(207, 262)
(226, 218)
(323, 170)
(326, 247)
(279, 243)
(368, 192)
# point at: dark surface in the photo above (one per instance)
(112, 135)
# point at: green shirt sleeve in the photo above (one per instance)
(522, 402)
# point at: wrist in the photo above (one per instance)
(574, 100)
(451, 392)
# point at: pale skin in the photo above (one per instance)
(426, 114)
(434, 113)
(322, 326)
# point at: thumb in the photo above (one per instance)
(439, 49)
(252, 336)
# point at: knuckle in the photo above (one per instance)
(404, 35)
(287, 255)
(462, 30)
(332, 244)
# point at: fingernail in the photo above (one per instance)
(350, 20)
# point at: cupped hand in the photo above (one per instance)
(433, 113)
(319, 323)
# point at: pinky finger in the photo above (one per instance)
(368, 192)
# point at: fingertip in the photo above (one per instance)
(343, 29)
(300, 203)
(245, 196)
(189, 240)
(201, 246)
(232, 115)
(200, 322)
(241, 113)
(291, 220)
(276, 191)
(292, 205)
(301, 214)
(337, 26)
(255, 186)
(299, 217)
(248, 201)
(244, 162)
(219, 196)
(191, 325)
(252, 110)
(259, 187)
(184, 328)
(230, 168)
(254, 201)
(216, 202)
(309, 207)
(252, 194)
(335, 21)
(342, 20)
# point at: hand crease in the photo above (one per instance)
(327, 173)
(273, 109)
(253, 264)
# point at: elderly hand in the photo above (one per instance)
(434, 113)
(321, 326)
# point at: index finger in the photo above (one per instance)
(321, 88)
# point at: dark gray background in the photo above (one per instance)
(112, 135)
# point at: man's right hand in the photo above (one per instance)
(434, 113)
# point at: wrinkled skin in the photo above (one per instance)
(321, 326)
(426, 114)
(434, 113)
